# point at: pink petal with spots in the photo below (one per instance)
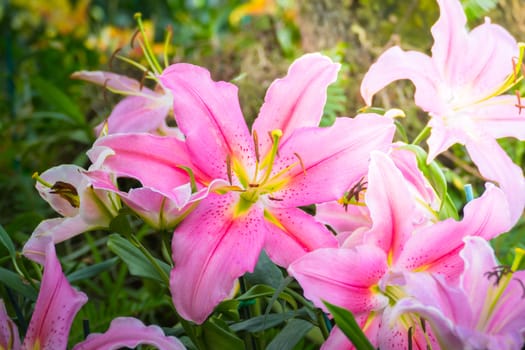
(211, 249)
(297, 100)
(209, 115)
(332, 158)
(297, 234)
(436, 247)
(56, 306)
(342, 277)
(9, 338)
(129, 332)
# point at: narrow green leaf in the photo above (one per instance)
(91, 271)
(291, 334)
(262, 290)
(218, 336)
(7, 242)
(137, 262)
(260, 323)
(15, 282)
(347, 323)
(58, 99)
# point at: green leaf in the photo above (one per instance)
(437, 180)
(15, 282)
(291, 334)
(91, 271)
(262, 290)
(265, 272)
(137, 262)
(7, 242)
(55, 97)
(346, 322)
(475, 9)
(218, 336)
(260, 323)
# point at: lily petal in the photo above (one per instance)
(331, 158)
(153, 160)
(113, 81)
(297, 100)
(211, 249)
(9, 338)
(56, 306)
(450, 38)
(435, 248)
(494, 164)
(137, 114)
(59, 230)
(343, 219)
(499, 117)
(395, 64)
(390, 205)
(293, 233)
(129, 332)
(342, 276)
(209, 115)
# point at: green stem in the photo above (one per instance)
(422, 135)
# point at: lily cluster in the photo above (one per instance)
(384, 243)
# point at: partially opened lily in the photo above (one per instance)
(142, 110)
(362, 277)
(459, 86)
(286, 162)
(71, 193)
(56, 307)
(485, 311)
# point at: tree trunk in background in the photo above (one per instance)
(327, 24)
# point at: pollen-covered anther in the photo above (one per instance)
(133, 37)
(229, 168)
(113, 56)
(67, 192)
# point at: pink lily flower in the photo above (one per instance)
(287, 162)
(55, 309)
(71, 193)
(459, 86)
(485, 311)
(361, 277)
(142, 110)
